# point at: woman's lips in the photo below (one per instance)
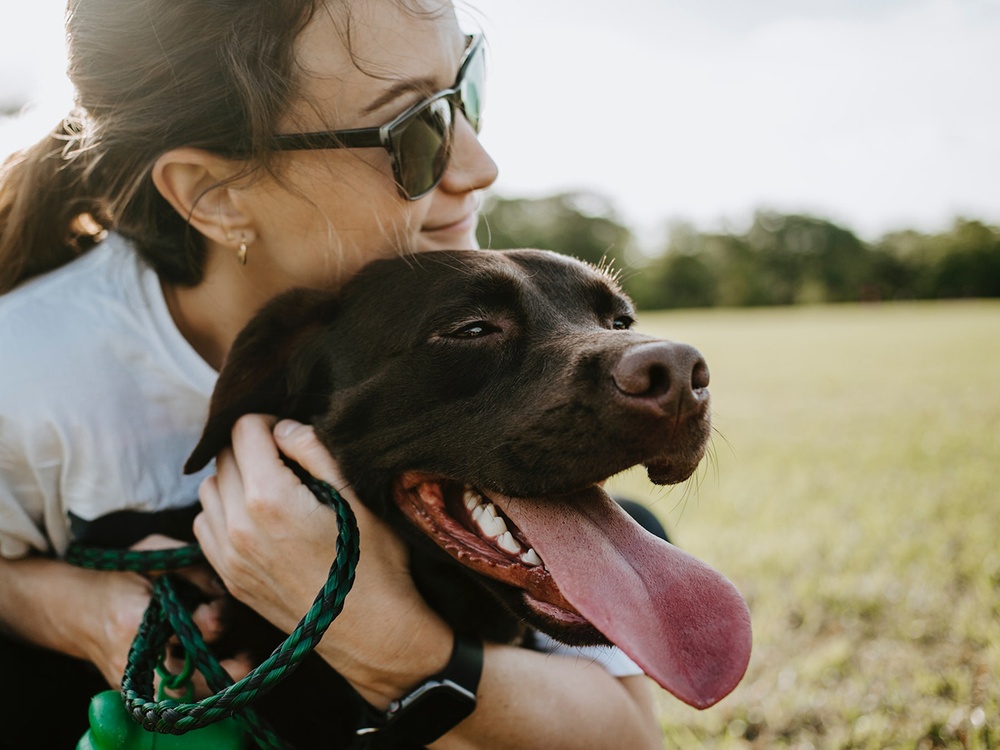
(464, 224)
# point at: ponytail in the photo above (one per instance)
(47, 214)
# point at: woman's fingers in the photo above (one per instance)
(155, 542)
(209, 618)
(299, 443)
(237, 668)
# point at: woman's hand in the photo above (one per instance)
(120, 599)
(207, 616)
(273, 543)
(94, 614)
(124, 598)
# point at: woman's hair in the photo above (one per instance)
(150, 75)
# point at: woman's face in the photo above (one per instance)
(331, 211)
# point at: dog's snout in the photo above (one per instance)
(672, 375)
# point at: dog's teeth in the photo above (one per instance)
(493, 526)
(531, 557)
(488, 522)
(472, 499)
(508, 543)
(500, 526)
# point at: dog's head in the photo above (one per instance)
(475, 400)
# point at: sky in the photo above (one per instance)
(876, 114)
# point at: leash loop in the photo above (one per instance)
(167, 616)
(175, 682)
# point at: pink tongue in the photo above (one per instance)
(680, 620)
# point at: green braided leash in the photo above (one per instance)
(166, 616)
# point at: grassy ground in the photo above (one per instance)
(853, 498)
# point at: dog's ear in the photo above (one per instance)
(270, 369)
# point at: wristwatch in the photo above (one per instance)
(440, 702)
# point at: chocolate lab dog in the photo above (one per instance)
(476, 400)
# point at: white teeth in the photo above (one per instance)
(531, 557)
(492, 526)
(472, 499)
(500, 527)
(488, 520)
(508, 543)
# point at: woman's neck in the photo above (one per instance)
(211, 314)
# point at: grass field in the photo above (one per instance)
(853, 496)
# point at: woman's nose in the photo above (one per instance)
(470, 167)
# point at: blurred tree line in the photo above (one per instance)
(780, 260)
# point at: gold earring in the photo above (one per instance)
(241, 254)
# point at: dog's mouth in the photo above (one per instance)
(583, 567)
(469, 526)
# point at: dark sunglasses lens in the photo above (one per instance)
(422, 148)
(471, 88)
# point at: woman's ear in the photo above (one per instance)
(200, 186)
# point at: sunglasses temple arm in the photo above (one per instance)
(360, 138)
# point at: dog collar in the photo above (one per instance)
(440, 702)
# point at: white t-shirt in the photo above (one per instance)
(101, 401)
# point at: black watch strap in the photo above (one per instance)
(440, 702)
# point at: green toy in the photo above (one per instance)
(111, 728)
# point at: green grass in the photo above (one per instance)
(853, 496)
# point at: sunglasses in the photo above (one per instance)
(419, 140)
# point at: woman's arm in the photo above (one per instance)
(87, 614)
(272, 544)
(94, 615)
(529, 699)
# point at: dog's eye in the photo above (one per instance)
(622, 322)
(475, 330)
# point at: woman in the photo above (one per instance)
(110, 352)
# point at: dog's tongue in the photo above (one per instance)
(679, 619)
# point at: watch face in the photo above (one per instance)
(431, 710)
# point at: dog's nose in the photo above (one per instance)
(672, 375)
